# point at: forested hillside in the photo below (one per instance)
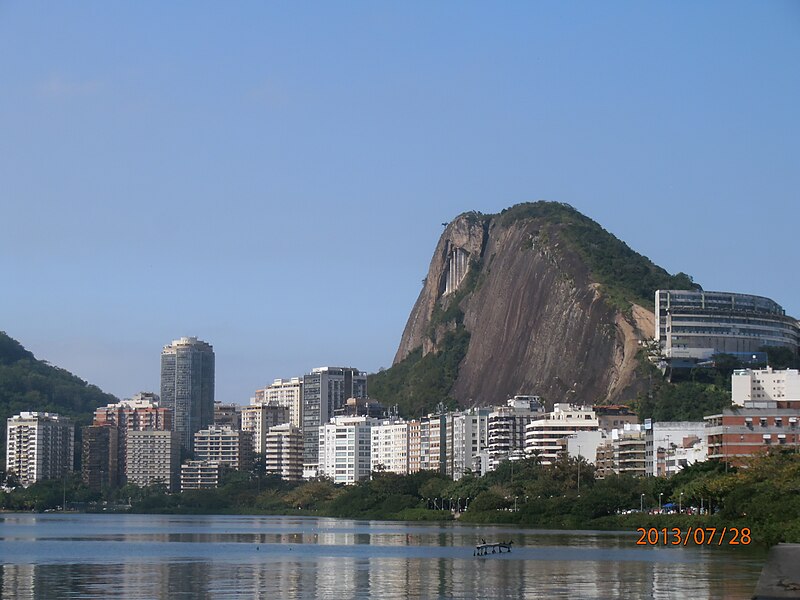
(33, 385)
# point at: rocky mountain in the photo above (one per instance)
(538, 299)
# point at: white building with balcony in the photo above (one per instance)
(345, 445)
(544, 436)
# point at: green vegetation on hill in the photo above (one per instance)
(28, 384)
(417, 384)
(625, 275)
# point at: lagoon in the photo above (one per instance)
(65, 555)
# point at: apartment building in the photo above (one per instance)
(224, 446)
(257, 420)
(506, 428)
(544, 436)
(344, 449)
(153, 457)
(39, 446)
(283, 452)
(284, 392)
(389, 449)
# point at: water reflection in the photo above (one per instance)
(125, 556)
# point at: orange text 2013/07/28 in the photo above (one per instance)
(698, 536)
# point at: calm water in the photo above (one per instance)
(160, 556)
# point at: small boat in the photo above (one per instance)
(485, 548)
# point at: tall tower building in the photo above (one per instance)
(187, 386)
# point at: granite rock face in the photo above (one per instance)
(538, 323)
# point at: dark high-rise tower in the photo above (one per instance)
(187, 386)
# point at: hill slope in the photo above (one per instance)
(538, 299)
(33, 385)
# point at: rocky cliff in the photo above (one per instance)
(548, 302)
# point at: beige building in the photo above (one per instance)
(153, 457)
(283, 452)
(225, 446)
(285, 392)
(544, 436)
(258, 418)
(40, 446)
(766, 385)
(389, 449)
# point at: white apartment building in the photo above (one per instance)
(345, 449)
(765, 385)
(285, 392)
(506, 428)
(585, 444)
(153, 457)
(544, 436)
(39, 445)
(258, 418)
(389, 449)
(663, 438)
(200, 475)
(225, 446)
(470, 438)
(283, 453)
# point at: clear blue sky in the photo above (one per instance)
(271, 177)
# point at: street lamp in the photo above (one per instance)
(659, 502)
(641, 503)
(680, 503)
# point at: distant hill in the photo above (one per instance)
(538, 299)
(29, 384)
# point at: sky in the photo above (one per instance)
(272, 177)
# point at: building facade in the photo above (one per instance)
(345, 449)
(325, 390)
(100, 456)
(257, 419)
(284, 392)
(506, 428)
(389, 449)
(228, 414)
(140, 413)
(39, 446)
(187, 386)
(283, 452)
(225, 446)
(153, 457)
(695, 324)
(741, 432)
(470, 438)
(766, 385)
(200, 475)
(663, 438)
(544, 436)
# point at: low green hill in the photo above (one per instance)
(29, 384)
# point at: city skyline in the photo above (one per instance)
(274, 181)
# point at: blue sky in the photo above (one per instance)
(272, 177)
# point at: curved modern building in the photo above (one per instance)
(693, 324)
